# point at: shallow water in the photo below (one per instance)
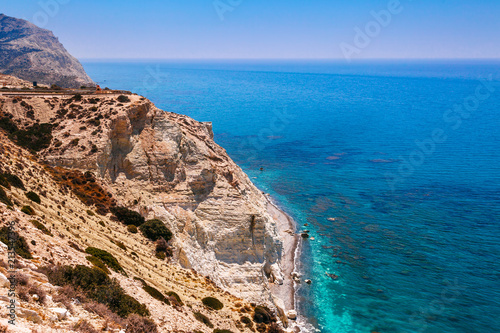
(414, 231)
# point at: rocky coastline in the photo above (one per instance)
(167, 167)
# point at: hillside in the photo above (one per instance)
(95, 159)
(34, 54)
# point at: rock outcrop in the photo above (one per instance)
(167, 166)
(35, 54)
(164, 166)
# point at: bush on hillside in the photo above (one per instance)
(212, 303)
(14, 180)
(33, 197)
(28, 210)
(155, 229)
(41, 227)
(34, 138)
(153, 292)
(132, 229)
(97, 286)
(123, 99)
(99, 264)
(22, 248)
(204, 319)
(127, 216)
(106, 258)
(175, 298)
(4, 198)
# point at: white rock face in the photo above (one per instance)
(169, 165)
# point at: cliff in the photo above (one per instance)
(164, 166)
(35, 54)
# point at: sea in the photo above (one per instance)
(392, 166)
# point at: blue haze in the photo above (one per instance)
(421, 257)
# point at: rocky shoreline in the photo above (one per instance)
(285, 293)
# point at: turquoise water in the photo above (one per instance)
(400, 192)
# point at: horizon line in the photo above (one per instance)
(292, 59)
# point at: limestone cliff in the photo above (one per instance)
(35, 54)
(125, 152)
(167, 166)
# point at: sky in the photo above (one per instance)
(268, 29)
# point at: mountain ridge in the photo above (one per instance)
(36, 55)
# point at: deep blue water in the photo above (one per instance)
(411, 187)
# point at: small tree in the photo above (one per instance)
(123, 99)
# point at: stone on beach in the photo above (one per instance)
(308, 281)
(291, 314)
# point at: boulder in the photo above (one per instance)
(276, 274)
(29, 315)
(291, 314)
(61, 313)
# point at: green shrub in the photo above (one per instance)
(77, 97)
(222, 331)
(35, 138)
(173, 295)
(155, 293)
(106, 258)
(97, 286)
(123, 99)
(99, 264)
(127, 216)
(8, 125)
(28, 210)
(160, 255)
(155, 229)
(204, 319)
(121, 245)
(90, 213)
(212, 303)
(41, 227)
(14, 180)
(20, 245)
(4, 198)
(132, 228)
(33, 197)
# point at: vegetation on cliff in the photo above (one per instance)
(97, 286)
